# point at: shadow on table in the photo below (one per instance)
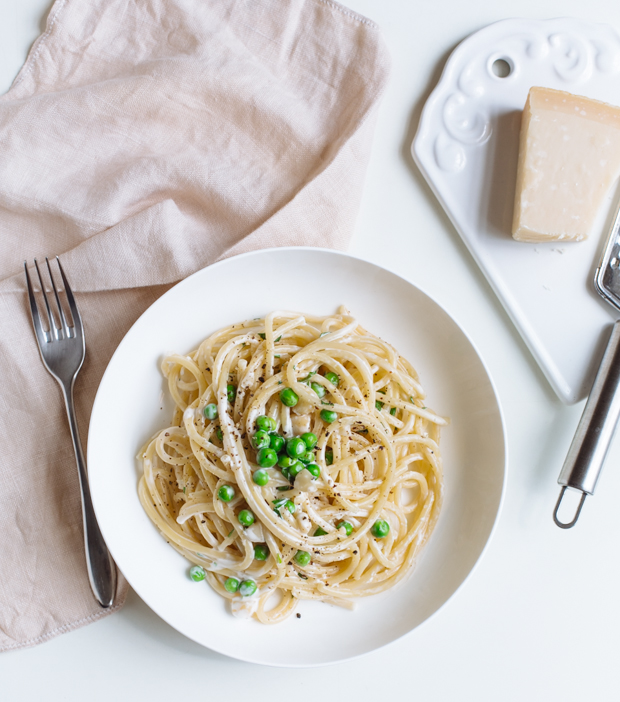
(137, 613)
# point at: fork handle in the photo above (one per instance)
(101, 568)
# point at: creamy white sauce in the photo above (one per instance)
(302, 408)
(300, 423)
(255, 533)
(305, 482)
(243, 607)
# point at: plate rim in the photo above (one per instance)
(500, 413)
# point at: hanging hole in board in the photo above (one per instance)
(501, 68)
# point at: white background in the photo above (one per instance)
(540, 617)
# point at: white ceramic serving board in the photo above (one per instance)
(467, 146)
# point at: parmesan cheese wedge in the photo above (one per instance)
(569, 157)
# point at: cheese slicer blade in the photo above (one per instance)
(597, 425)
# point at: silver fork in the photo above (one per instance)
(62, 352)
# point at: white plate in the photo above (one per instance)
(127, 411)
(467, 146)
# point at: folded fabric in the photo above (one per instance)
(143, 140)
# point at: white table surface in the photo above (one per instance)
(540, 617)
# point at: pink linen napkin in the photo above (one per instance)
(143, 140)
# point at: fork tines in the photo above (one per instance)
(60, 325)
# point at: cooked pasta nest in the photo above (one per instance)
(376, 462)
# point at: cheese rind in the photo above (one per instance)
(569, 157)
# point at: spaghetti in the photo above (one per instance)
(301, 461)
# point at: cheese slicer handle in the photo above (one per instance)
(595, 431)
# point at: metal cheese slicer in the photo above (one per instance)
(595, 431)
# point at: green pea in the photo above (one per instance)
(328, 416)
(231, 392)
(302, 558)
(286, 461)
(261, 552)
(296, 447)
(210, 411)
(307, 457)
(261, 440)
(314, 470)
(333, 378)
(247, 588)
(296, 469)
(231, 585)
(197, 573)
(320, 532)
(261, 477)
(346, 526)
(329, 458)
(309, 439)
(284, 502)
(393, 411)
(226, 493)
(245, 517)
(266, 423)
(289, 397)
(266, 458)
(219, 434)
(380, 528)
(276, 442)
(318, 389)
(378, 405)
